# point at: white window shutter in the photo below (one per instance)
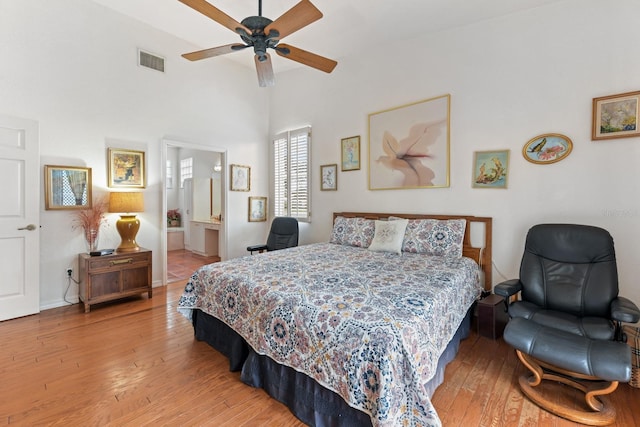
(291, 174)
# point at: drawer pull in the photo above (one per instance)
(121, 261)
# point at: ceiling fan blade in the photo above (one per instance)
(216, 14)
(214, 51)
(265, 71)
(299, 16)
(307, 58)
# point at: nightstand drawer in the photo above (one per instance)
(110, 261)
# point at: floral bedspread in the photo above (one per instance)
(369, 326)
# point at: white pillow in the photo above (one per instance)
(388, 236)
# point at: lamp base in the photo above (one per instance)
(128, 226)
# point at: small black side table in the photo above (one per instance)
(491, 316)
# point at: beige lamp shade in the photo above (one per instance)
(127, 203)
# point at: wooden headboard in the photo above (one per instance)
(482, 255)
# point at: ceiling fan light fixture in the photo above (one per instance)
(262, 33)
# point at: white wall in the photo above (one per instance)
(510, 79)
(72, 67)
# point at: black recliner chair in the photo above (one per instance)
(283, 234)
(566, 326)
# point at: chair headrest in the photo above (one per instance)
(572, 243)
(284, 225)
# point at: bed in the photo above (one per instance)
(353, 331)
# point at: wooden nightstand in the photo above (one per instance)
(491, 316)
(109, 277)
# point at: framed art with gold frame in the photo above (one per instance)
(547, 148)
(616, 116)
(350, 153)
(490, 169)
(67, 187)
(126, 168)
(329, 177)
(257, 209)
(409, 145)
(240, 178)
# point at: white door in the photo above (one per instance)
(19, 218)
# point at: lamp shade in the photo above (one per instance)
(125, 202)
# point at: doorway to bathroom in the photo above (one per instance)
(194, 200)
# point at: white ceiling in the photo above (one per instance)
(348, 26)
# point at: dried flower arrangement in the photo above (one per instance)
(90, 220)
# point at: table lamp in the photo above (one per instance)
(127, 204)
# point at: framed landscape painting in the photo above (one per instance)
(409, 146)
(616, 116)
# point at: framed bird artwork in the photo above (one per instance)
(548, 148)
(409, 146)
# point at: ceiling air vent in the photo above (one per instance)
(149, 60)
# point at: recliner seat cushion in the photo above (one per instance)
(597, 328)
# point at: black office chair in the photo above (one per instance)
(283, 234)
(567, 325)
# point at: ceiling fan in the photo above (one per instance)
(262, 33)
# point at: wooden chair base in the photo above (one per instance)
(602, 413)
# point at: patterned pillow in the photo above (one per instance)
(388, 236)
(353, 231)
(441, 237)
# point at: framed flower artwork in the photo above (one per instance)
(490, 169)
(409, 146)
(329, 177)
(350, 150)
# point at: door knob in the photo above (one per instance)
(29, 227)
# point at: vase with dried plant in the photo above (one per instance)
(90, 220)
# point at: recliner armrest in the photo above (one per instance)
(259, 248)
(624, 310)
(508, 288)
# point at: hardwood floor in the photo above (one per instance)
(135, 362)
(182, 263)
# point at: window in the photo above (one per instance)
(291, 173)
(186, 170)
(169, 175)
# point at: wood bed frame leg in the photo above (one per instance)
(603, 412)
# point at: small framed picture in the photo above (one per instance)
(329, 177)
(240, 178)
(616, 116)
(350, 148)
(548, 148)
(67, 187)
(490, 169)
(257, 209)
(126, 168)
